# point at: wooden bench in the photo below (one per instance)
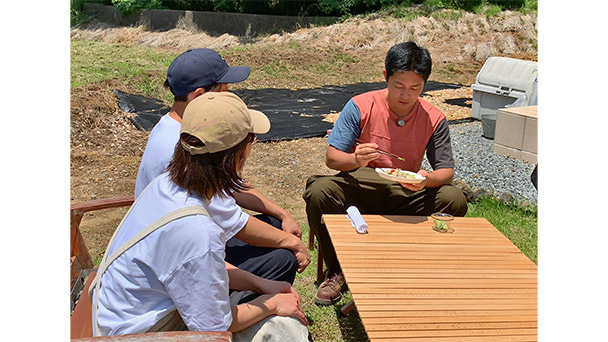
(82, 274)
(167, 336)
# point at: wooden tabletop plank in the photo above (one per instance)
(502, 338)
(471, 305)
(460, 234)
(356, 287)
(460, 231)
(453, 333)
(426, 232)
(362, 268)
(446, 313)
(465, 293)
(425, 247)
(490, 282)
(430, 263)
(457, 292)
(368, 273)
(372, 321)
(438, 266)
(460, 254)
(401, 219)
(452, 325)
(441, 301)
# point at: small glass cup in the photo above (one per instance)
(442, 222)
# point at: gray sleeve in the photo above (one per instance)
(439, 148)
(347, 128)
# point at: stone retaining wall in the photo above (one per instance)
(238, 24)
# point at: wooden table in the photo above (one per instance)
(410, 282)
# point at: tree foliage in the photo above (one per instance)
(127, 7)
(313, 7)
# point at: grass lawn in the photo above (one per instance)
(519, 224)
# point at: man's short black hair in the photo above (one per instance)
(184, 98)
(408, 56)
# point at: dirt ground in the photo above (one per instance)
(106, 147)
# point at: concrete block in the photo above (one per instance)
(517, 133)
(528, 111)
(530, 141)
(507, 151)
(509, 129)
(529, 157)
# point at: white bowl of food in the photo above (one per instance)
(398, 175)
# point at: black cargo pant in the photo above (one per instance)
(268, 263)
(371, 194)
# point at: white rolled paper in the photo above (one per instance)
(353, 214)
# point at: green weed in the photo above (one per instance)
(325, 325)
(529, 6)
(142, 68)
(488, 10)
(448, 14)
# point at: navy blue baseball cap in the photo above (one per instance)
(198, 68)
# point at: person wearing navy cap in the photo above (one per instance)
(191, 74)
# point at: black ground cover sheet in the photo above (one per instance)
(293, 113)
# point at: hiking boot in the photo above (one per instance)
(330, 290)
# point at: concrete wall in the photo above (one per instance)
(238, 24)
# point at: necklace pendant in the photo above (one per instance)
(400, 123)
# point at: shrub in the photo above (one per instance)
(126, 7)
(529, 5)
(75, 11)
(468, 5)
(400, 8)
(76, 15)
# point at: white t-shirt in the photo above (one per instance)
(158, 152)
(181, 265)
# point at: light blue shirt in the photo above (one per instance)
(158, 153)
(180, 266)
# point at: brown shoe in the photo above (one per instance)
(330, 290)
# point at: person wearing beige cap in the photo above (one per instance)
(193, 73)
(164, 268)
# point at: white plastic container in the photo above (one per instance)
(500, 82)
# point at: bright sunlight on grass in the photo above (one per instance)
(93, 62)
(519, 224)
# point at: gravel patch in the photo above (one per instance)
(482, 169)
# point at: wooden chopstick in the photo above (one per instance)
(384, 152)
